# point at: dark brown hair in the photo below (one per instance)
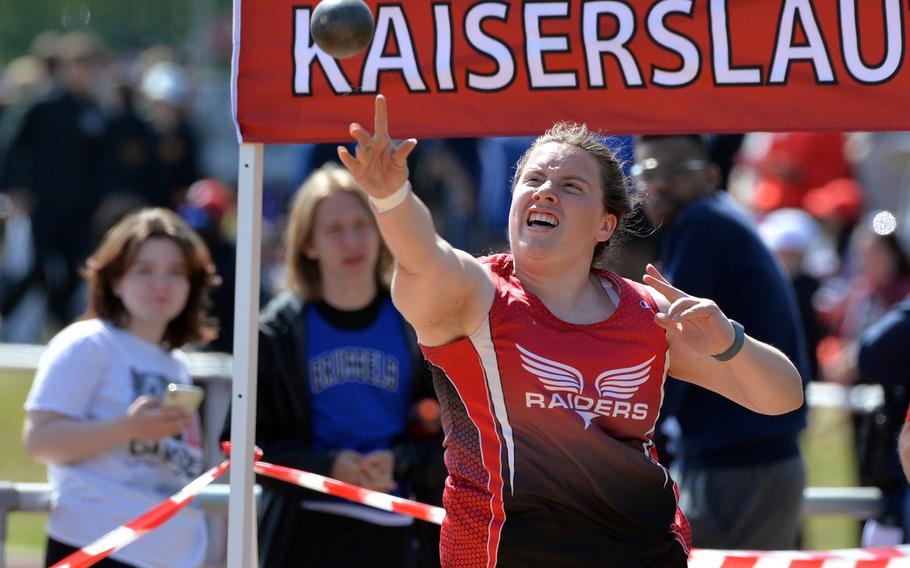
(116, 254)
(304, 277)
(618, 197)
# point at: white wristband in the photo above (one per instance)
(392, 201)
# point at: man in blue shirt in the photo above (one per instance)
(740, 474)
(884, 358)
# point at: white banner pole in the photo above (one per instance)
(241, 542)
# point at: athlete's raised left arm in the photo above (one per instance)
(757, 375)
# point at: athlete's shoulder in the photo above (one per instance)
(624, 284)
(502, 264)
(632, 292)
(640, 290)
(501, 268)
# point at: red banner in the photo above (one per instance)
(484, 68)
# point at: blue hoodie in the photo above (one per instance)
(712, 250)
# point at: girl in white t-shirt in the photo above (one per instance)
(93, 412)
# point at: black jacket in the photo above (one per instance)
(284, 428)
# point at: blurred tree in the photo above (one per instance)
(123, 24)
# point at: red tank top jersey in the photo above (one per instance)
(548, 430)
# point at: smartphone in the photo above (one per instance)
(185, 397)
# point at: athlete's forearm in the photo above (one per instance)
(443, 292)
(759, 377)
(409, 233)
(766, 380)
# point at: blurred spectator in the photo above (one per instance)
(111, 211)
(165, 88)
(497, 168)
(208, 201)
(314, 156)
(274, 271)
(882, 163)
(58, 158)
(34, 75)
(789, 233)
(740, 474)
(134, 161)
(22, 306)
(884, 358)
(22, 309)
(877, 275)
(25, 81)
(903, 448)
(21, 79)
(339, 374)
(723, 149)
(786, 165)
(46, 47)
(446, 174)
(838, 206)
(93, 414)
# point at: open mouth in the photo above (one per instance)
(540, 219)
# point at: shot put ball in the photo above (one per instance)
(342, 28)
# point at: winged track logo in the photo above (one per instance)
(566, 386)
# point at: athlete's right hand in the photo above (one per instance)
(378, 165)
(146, 420)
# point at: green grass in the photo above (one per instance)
(828, 449)
(827, 446)
(26, 530)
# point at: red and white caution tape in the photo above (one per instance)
(352, 492)
(345, 490)
(135, 529)
(888, 557)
